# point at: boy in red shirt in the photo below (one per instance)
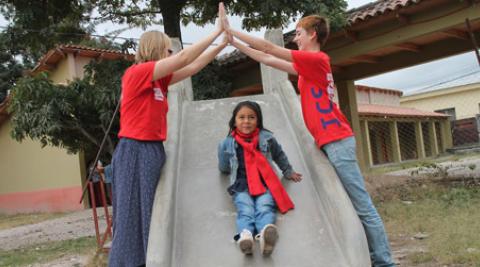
(324, 120)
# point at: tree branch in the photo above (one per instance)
(109, 140)
(87, 135)
(135, 13)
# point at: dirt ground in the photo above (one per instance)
(80, 224)
(69, 260)
(401, 245)
(72, 226)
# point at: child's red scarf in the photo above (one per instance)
(255, 164)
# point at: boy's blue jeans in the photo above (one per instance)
(254, 212)
(343, 157)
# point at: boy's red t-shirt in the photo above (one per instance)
(144, 107)
(322, 116)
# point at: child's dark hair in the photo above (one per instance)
(251, 105)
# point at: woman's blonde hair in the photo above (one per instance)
(152, 46)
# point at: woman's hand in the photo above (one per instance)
(295, 176)
(221, 16)
(226, 26)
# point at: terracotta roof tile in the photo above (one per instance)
(377, 8)
(53, 56)
(378, 89)
(83, 47)
(395, 111)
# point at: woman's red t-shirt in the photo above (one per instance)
(144, 106)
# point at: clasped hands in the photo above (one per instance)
(224, 25)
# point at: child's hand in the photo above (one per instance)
(295, 176)
(100, 169)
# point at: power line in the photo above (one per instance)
(88, 34)
(76, 33)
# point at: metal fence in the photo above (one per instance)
(424, 126)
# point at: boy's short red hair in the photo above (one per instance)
(318, 24)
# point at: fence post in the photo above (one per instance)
(420, 142)
(395, 142)
(446, 135)
(347, 98)
(433, 138)
(367, 147)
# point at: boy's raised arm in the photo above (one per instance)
(255, 42)
(263, 45)
(265, 58)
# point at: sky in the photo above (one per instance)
(407, 80)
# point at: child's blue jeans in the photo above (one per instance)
(343, 157)
(253, 213)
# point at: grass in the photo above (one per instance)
(98, 260)
(48, 251)
(10, 221)
(448, 214)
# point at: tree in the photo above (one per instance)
(73, 116)
(267, 13)
(212, 82)
(33, 28)
(10, 69)
(257, 14)
(37, 26)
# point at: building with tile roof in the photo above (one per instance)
(53, 180)
(459, 97)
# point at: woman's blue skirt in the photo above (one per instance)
(136, 171)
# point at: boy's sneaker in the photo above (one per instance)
(268, 237)
(246, 242)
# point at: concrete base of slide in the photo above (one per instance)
(193, 219)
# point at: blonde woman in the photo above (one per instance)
(139, 155)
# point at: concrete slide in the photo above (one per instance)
(193, 219)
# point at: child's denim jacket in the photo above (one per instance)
(270, 148)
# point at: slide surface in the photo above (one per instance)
(193, 220)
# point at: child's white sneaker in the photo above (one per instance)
(268, 238)
(246, 242)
